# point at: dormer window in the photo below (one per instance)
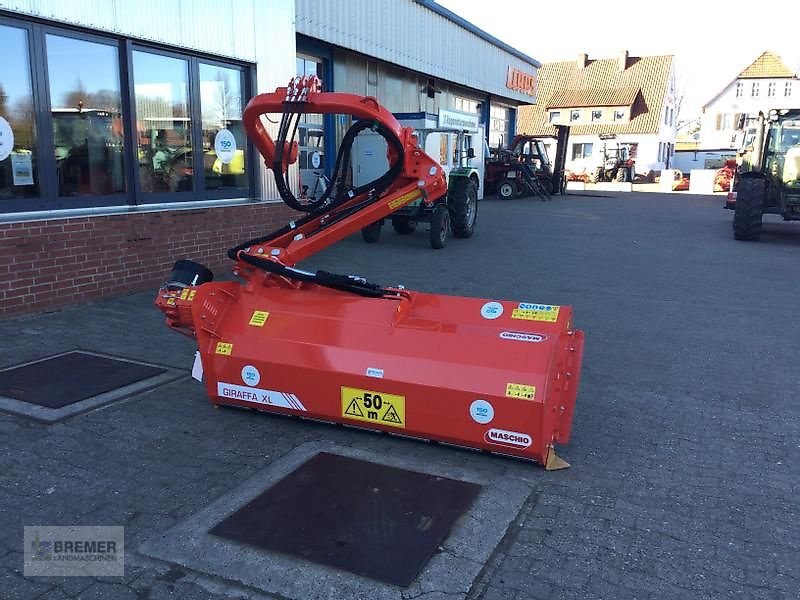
(574, 115)
(597, 115)
(555, 116)
(619, 115)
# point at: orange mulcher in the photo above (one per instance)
(489, 374)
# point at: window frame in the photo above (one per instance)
(49, 199)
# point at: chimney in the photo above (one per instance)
(623, 60)
(583, 60)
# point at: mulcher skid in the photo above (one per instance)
(487, 374)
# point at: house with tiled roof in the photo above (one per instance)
(765, 84)
(628, 98)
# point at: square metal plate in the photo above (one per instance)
(68, 378)
(370, 519)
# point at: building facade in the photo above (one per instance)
(121, 141)
(627, 100)
(765, 84)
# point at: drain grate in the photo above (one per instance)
(381, 522)
(59, 381)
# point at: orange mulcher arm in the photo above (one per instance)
(344, 209)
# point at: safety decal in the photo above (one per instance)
(374, 407)
(224, 348)
(491, 310)
(188, 294)
(518, 336)
(259, 318)
(251, 394)
(522, 391)
(403, 200)
(481, 411)
(508, 438)
(536, 312)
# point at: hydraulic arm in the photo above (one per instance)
(489, 374)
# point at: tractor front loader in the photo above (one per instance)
(489, 374)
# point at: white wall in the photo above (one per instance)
(728, 103)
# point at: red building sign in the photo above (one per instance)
(521, 81)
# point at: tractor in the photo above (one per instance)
(617, 165)
(770, 179)
(525, 168)
(454, 212)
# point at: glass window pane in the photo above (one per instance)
(87, 116)
(224, 140)
(18, 169)
(163, 123)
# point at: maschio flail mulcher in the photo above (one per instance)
(488, 374)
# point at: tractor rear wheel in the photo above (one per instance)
(747, 218)
(507, 189)
(621, 175)
(440, 223)
(404, 225)
(372, 233)
(462, 202)
(596, 176)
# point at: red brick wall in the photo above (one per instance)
(47, 264)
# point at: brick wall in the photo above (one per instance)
(47, 264)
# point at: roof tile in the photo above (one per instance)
(768, 64)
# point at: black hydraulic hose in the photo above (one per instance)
(376, 187)
(343, 283)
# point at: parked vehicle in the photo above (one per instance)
(617, 164)
(769, 182)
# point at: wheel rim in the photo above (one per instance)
(506, 190)
(445, 225)
(471, 212)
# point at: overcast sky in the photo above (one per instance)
(712, 41)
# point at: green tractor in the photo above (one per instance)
(455, 212)
(770, 182)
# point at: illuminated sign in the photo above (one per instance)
(521, 81)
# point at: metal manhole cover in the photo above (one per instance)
(377, 521)
(65, 379)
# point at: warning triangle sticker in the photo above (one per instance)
(353, 410)
(391, 416)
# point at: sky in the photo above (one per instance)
(712, 41)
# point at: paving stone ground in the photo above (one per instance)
(686, 441)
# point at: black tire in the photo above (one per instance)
(440, 224)
(747, 217)
(462, 202)
(507, 189)
(621, 175)
(372, 233)
(597, 175)
(404, 225)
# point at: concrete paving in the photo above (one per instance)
(686, 439)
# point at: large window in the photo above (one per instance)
(86, 111)
(499, 125)
(163, 123)
(93, 120)
(311, 136)
(19, 174)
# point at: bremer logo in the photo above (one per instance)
(508, 438)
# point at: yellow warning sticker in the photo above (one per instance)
(536, 312)
(520, 390)
(403, 200)
(374, 407)
(188, 294)
(224, 348)
(259, 318)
